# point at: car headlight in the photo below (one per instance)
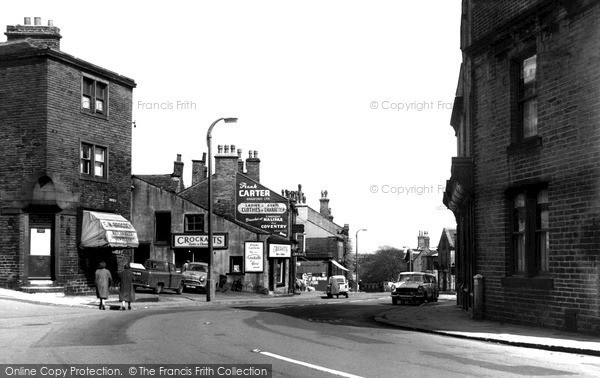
(202, 279)
(393, 287)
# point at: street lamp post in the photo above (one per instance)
(210, 293)
(362, 229)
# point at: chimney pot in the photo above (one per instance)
(27, 20)
(232, 149)
(204, 157)
(220, 149)
(255, 154)
(50, 23)
(250, 154)
(239, 152)
(178, 157)
(37, 21)
(226, 149)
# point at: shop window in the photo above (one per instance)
(530, 242)
(93, 161)
(94, 96)
(162, 224)
(194, 222)
(236, 264)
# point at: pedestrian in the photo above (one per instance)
(185, 266)
(126, 290)
(103, 281)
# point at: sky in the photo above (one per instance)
(352, 97)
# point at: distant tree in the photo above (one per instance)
(383, 265)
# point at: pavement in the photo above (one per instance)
(443, 317)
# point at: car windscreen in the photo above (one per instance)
(410, 278)
(198, 268)
(340, 280)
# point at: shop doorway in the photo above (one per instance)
(41, 247)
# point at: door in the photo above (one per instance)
(41, 253)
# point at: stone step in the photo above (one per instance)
(42, 289)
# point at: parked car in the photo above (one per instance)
(337, 285)
(195, 276)
(414, 287)
(157, 275)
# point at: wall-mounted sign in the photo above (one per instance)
(254, 257)
(259, 207)
(280, 250)
(220, 240)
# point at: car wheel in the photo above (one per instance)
(424, 297)
(346, 294)
(329, 295)
(180, 289)
(158, 289)
(395, 301)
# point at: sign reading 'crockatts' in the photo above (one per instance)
(259, 207)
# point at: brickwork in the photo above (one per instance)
(43, 126)
(568, 98)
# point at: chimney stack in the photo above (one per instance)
(178, 167)
(325, 210)
(226, 163)
(240, 161)
(253, 166)
(199, 169)
(423, 240)
(48, 35)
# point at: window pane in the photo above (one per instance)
(99, 153)
(87, 87)
(86, 151)
(85, 167)
(530, 117)
(519, 247)
(543, 247)
(99, 106)
(100, 91)
(99, 169)
(528, 69)
(86, 102)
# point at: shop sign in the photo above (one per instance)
(254, 257)
(220, 240)
(280, 250)
(259, 207)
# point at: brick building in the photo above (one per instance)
(66, 150)
(525, 185)
(323, 244)
(159, 212)
(265, 216)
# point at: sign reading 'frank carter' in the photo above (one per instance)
(259, 207)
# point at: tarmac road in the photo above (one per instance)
(310, 338)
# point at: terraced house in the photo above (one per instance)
(525, 184)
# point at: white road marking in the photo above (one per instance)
(312, 366)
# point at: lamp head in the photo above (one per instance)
(230, 120)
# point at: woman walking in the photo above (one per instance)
(103, 281)
(126, 290)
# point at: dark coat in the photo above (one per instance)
(126, 290)
(103, 280)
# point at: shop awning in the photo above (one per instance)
(107, 230)
(338, 265)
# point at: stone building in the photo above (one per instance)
(160, 214)
(323, 244)
(525, 185)
(66, 152)
(240, 199)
